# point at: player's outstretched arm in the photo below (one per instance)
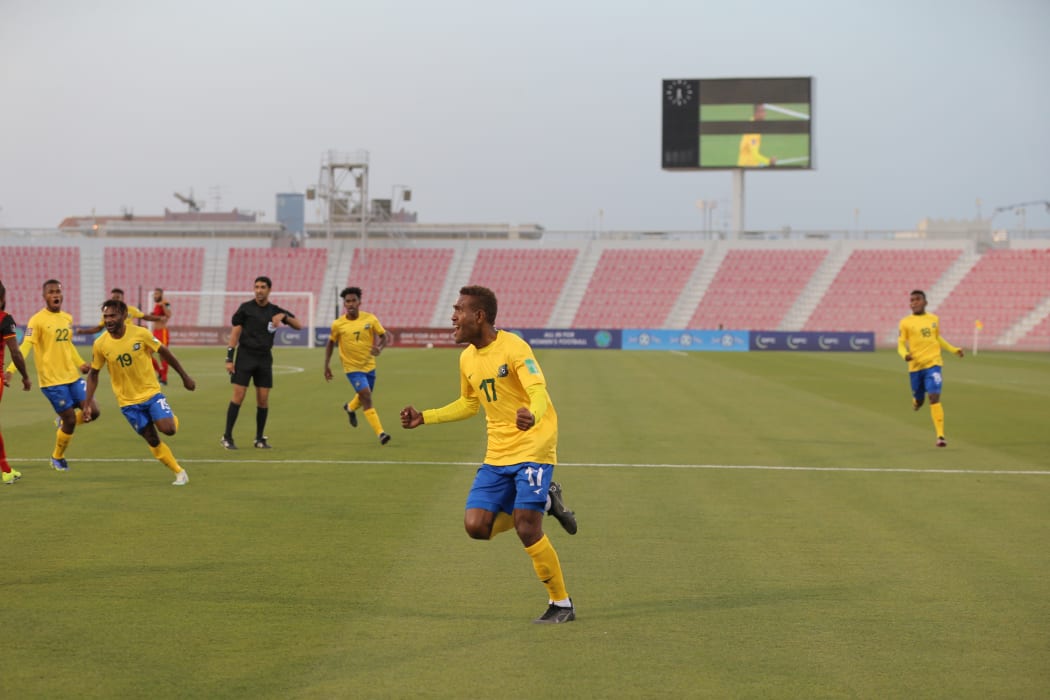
(411, 418)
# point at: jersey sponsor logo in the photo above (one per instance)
(503, 371)
(531, 365)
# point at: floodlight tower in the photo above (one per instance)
(344, 205)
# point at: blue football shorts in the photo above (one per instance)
(142, 414)
(362, 380)
(926, 381)
(66, 396)
(506, 489)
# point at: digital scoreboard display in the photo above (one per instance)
(737, 123)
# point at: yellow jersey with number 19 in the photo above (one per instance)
(130, 362)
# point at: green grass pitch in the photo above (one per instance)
(751, 526)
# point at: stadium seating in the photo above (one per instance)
(290, 269)
(26, 268)
(400, 285)
(1036, 339)
(871, 290)
(527, 282)
(754, 289)
(635, 288)
(138, 271)
(1002, 287)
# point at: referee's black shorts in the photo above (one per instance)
(253, 365)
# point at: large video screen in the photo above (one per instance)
(737, 123)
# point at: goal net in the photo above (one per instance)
(203, 318)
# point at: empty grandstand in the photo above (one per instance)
(613, 281)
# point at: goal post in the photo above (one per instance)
(212, 310)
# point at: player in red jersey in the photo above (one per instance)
(162, 310)
(8, 341)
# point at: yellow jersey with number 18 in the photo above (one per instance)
(920, 337)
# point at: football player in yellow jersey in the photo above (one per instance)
(127, 350)
(919, 343)
(513, 488)
(360, 338)
(750, 155)
(133, 313)
(58, 367)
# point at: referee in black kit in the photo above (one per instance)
(254, 325)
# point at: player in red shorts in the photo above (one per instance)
(162, 310)
(7, 340)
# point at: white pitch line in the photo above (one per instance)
(616, 465)
(787, 112)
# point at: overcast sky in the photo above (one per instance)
(545, 111)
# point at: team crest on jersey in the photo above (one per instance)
(530, 364)
(502, 371)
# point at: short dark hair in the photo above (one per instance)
(50, 282)
(484, 299)
(350, 290)
(115, 303)
(117, 290)
(265, 279)
(919, 292)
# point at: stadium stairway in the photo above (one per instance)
(576, 286)
(695, 288)
(816, 288)
(1019, 332)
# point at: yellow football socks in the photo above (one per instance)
(937, 412)
(163, 453)
(548, 568)
(355, 403)
(61, 443)
(373, 420)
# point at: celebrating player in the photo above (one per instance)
(127, 351)
(513, 488)
(58, 367)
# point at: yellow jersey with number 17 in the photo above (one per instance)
(498, 376)
(130, 362)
